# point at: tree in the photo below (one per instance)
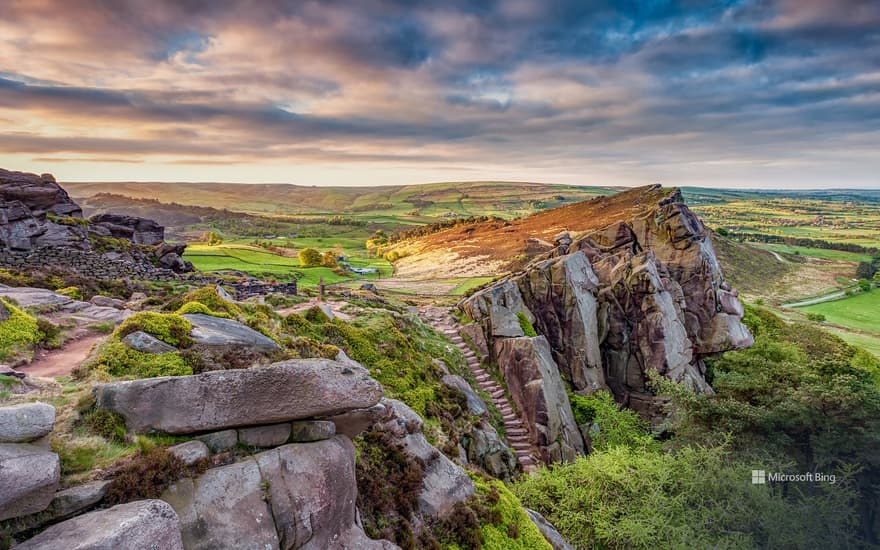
(309, 257)
(864, 285)
(865, 270)
(328, 259)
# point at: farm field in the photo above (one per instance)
(856, 319)
(263, 263)
(860, 312)
(810, 252)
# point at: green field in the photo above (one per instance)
(859, 312)
(822, 253)
(263, 263)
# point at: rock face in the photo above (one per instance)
(133, 526)
(28, 479)
(26, 422)
(147, 343)
(642, 294)
(299, 496)
(130, 228)
(289, 390)
(444, 484)
(38, 219)
(27, 201)
(539, 392)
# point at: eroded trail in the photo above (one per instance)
(60, 362)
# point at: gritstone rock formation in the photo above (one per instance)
(36, 214)
(645, 293)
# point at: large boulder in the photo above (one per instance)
(556, 540)
(299, 496)
(444, 483)
(131, 228)
(28, 479)
(211, 331)
(475, 405)
(539, 392)
(26, 422)
(288, 390)
(485, 448)
(139, 525)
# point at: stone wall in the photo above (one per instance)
(88, 263)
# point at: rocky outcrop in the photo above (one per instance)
(538, 390)
(133, 526)
(642, 294)
(288, 390)
(38, 217)
(444, 483)
(28, 297)
(130, 228)
(299, 496)
(28, 205)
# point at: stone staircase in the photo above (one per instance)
(514, 430)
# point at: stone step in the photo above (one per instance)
(514, 432)
(498, 393)
(523, 445)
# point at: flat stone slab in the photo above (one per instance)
(220, 441)
(208, 330)
(139, 525)
(265, 436)
(305, 431)
(289, 390)
(191, 451)
(26, 422)
(28, 479)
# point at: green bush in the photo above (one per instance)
(514, 529)
(616, 426)
(816, 317)
(695, 498)
(168, 327)
(526, 325)
(18, 332)
(106, 424)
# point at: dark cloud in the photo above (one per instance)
(573, 83)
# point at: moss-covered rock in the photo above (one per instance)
(171, 328)
(198, 307)
(120, 361)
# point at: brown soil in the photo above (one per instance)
(59, 362)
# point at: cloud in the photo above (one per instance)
(582, 91)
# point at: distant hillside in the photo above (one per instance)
(167, 214)
(419, 203)
(493, 247)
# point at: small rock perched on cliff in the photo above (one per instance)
(134, 526)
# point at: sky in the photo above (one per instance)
(766, 93)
